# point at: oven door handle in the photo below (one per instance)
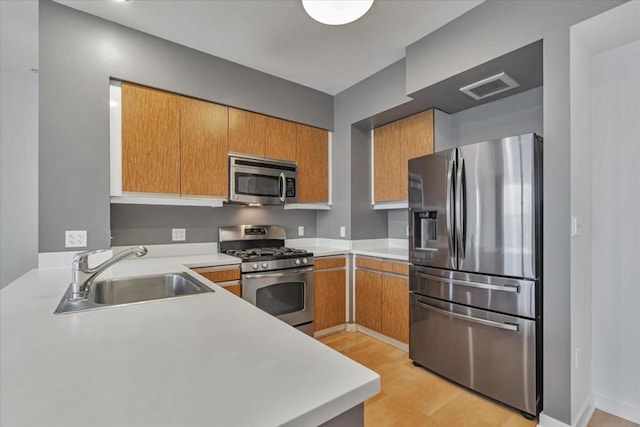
(274, 274)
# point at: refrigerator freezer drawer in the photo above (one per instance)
(501, 294)
(490, 353)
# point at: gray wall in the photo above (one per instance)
(144, 224)
(515, 115)
(78, 55)
(351, 159)
(18, 139)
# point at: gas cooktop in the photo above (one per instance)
(265, 254)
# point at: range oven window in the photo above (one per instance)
(257, 185)
(282, 298)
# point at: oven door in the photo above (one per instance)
(261, 182)
(286, 294)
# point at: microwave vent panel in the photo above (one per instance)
(490, 86)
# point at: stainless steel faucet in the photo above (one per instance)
(82, 275)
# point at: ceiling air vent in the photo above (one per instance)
(490, 86)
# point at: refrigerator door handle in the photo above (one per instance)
(491, 323)
(450, 210)
(460, 209)
(502, 288)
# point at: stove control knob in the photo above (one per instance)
(265, 265)
(298, 262)
(254, 266)
(304, 261)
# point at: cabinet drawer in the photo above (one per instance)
(219, 274)
(380, 265)
(326, 263)
(396, 267)
(370, 263)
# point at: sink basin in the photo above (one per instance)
(114, 292)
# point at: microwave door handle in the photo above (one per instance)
(282, 183)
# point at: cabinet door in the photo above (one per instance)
(280, 139)
(150, 140)
(234, 289)
(416, 134)
(388, 180)
(395, 307)
(330, 299)
(246, 132)
(205, 145)
(313, 164)
(368, 299)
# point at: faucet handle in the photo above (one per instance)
(82, 258)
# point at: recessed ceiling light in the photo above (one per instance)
(120, 1)
(336, 12)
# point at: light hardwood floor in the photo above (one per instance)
(603, 419)
(412, 396)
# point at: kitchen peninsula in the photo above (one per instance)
(210, 359)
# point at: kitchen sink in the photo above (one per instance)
(114, 292)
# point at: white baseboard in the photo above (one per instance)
(352, 327)
(385, 339)
(329, 331)
(546, 421)
(585, 414)
(617, 408)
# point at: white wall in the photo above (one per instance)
(18, 139)
(580, 244)
(615, 136)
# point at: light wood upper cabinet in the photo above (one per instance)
(393, 145)
(150, 140)
(395, 307)
(313, 164)
(387, 163)
(247, 132)
(205, 143)
(280, 136)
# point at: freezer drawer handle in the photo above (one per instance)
(507, 326)
(502, 288)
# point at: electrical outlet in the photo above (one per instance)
(343, 231)
(75, 239)
(301, 230)
(178, 234)
(407, 231)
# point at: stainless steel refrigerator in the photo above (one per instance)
(475, 280)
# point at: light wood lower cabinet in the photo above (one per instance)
(394, 320)
(368, 299)
(382, 297)
(226, 276)
(330, 301)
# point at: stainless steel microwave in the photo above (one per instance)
(259, 181)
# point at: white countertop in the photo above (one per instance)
(202, 360)
(383, 248)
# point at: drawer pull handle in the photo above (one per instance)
(507, 326)
(501, 288)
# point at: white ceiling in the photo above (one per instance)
(277, 36)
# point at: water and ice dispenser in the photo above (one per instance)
(425, 229)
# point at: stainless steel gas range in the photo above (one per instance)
(276, 279)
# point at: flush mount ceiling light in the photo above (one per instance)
(336, 12)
